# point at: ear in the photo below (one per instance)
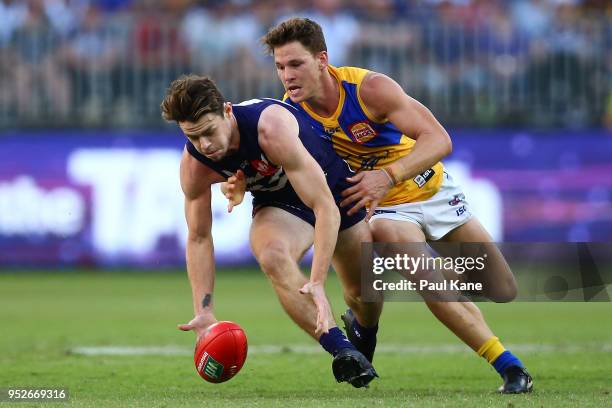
(227, 108)
(322, 60)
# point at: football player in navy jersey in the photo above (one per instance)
(296, 180)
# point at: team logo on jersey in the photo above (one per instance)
(362, 132)
(264, 168)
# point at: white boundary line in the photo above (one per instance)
(313, 349)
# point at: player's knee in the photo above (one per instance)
(273, 260)
(380, 234)
(505, 292)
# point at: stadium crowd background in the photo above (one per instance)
(106, 63)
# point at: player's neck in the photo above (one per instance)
(327, 99)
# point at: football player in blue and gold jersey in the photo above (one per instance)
(396, 145)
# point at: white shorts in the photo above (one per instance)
(437, 216)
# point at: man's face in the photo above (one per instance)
(299, 70)
(211, 134)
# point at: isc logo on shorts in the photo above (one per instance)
(460, 211)
(362, 132)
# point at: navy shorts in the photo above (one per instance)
(290, 202)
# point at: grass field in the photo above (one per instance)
(46, 316)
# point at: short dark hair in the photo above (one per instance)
(304, 30)
(190, 97)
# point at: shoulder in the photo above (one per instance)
(275, 118)
(278, 133)
(379, 93)
(375, 84)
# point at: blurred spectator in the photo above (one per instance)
(339, 27)
(216, 33)
(473, 62)
(40, 86)
(385, 43)
(158, 54)
(13, 14)
(533, 17)
(65, 15)
(91, 57)
(250, 66)
(506, 62)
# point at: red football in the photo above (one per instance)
(221, 354)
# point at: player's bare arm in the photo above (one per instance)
(278, 137)
(387, 101)
(196, 180)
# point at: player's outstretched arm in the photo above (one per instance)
(386, 101)
(278, 137)
(196, 180)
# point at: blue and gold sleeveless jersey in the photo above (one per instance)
(367, 144)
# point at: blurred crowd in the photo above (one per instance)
(473, 62)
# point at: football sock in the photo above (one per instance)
(497, 355)
(364, 338)
(334, 341)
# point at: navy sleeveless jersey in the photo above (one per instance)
(268, 182)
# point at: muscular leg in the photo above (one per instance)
(347, 263)
(279, 240)
(499, 285)
(498, 281)
(462, 318)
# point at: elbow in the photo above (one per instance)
(337, 218)
(449, 146)
(446, 145)
(334, 214)
(330, 213)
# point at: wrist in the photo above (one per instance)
(205, 306)
(317, 279)
(318, 282)
(389, 178)
(208, 312)
(391, 175)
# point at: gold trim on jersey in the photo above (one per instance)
(329, 120)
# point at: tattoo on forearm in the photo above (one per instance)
(206, 301)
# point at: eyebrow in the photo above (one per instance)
(202, 131)
(292, 61)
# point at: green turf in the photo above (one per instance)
(43, 315)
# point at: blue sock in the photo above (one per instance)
(334, 341)
(365, 334)
(364, 338)
(506, 360)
